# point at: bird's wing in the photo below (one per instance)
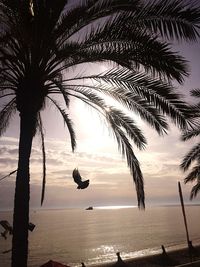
(85, 184)
(76, 176)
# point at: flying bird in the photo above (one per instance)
(78, 180)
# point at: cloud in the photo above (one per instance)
(8, 161)
(99, 161)
(7, 190)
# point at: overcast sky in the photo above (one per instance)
(98, 159)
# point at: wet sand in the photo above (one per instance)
(176, 257)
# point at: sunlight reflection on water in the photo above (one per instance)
(105, 249)
(114, 207)
(78, 235)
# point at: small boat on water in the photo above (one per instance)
(89, 208)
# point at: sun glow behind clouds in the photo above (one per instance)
(92, 125)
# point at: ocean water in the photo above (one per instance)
(73, 236)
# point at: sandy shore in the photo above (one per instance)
(176, 257)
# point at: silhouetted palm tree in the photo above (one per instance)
(194, 154)
(42, 39)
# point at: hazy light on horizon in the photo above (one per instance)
(114, 207)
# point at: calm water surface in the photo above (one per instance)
(74, 235)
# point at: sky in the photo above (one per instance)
(98, 159)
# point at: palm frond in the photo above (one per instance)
(194, 113)
(111, 40)
(89, 95)
(125, 122)
(5, 95)
(68, 122)
(89, 103)
(5, 115)
(193, 175)
(59, 84)
(195, 190)
(12, 49)
(122, 120)
(171, 19)
(127, 151)
(157, 93)
(190, 134)
(195, 92)
(192, 155)
(10, 62)
(43, 158)
(132, 102)
(88, 11)
(10, 78)
(119, 122)
(155, 57)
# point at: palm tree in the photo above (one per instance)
(41, 40)
(194, 154)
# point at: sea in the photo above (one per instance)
(72, 236)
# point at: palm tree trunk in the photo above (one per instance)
(22, 193)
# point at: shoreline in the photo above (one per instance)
(177, 256)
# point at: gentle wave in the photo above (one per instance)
(77, 235)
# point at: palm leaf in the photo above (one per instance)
(88, 11)
(119, 121)
(44, 158)
(192, 155)
(59, 84)
(160, 94)
(195, 92)
(190, 134)
(127, 151)
(132, 102)
(111, 39)
(68, 123)
(89, 95)
(118, 116)
(5, 115)
(155, 92)
(125, 122)
(171, 19)
(195, 190)
(193, 175)
(89, 103)
(5, 95)
(153, 56)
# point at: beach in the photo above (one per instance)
(179, 257)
